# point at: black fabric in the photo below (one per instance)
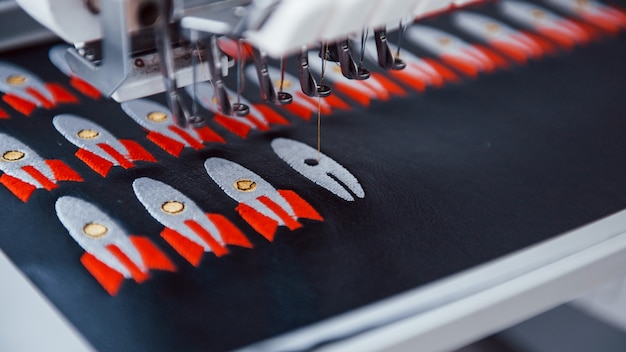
(453, 177)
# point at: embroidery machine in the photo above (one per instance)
(129, 49)
(456, 238)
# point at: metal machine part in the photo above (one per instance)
(129, 49)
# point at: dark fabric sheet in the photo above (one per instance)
(453, 177)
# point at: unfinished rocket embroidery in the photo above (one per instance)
(565, 32)
(512, 43)
(57, 57)
(157, 119)
(377, 86)
(24, 171)
(302, 105)
(468, 59)
(260, 204)
(259, 117)
(188, 229)
(98, 148)
(609, 18)
(326, 172)
(24, 91)
(111, 255)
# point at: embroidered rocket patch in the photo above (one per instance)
(565, 32)
(462, 56)
(260, 204)
(157, 119)
(56, 54)
(377, 86)
(24, 91)
(98, 148)
(188, 229)
(325, 172)
(512, 43)
(608, 18)
(259, 116)
(111, 255)
(24, 171)
(302, 105)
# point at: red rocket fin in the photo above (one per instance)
(19, 188)
(62, 172)
(264, 225)
(110, 279)
(238, 128)
(270, 115)
(290, 222)
(300, 206)
(208, 135)
(20, 104)
(115, 154)
(40, 97)
(151, 255)
(187, 248)
(136, 151)
(95, 162)
(135, 271)
(60, 94)
(194, 143)
(166, 143)
(39, 177)
(85, 88)
(353, 93)
(216, 247)
(229, 232)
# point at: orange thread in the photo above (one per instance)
(238, 128)
(3, 114)
(152, 256)
(166, 143)
(107, 277)
(62, 172)
(216, 247)
(264, 225)
(300, 206)
(135, 271)
(290, 222)
(389, 85)
(121, 159)
(95, 162)
(229, 232)
(136, 151)
(188, 249)
(19, 104)
(22, 190)
(39, 177)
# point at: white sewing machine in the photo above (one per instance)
(133, 48)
